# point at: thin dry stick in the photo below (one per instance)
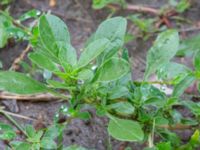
(176, 127)
(137, 8)
(15, 64)
(39, 97)
(18, 115)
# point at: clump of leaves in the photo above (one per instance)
(101, 78)
(11, 28)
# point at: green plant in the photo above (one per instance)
(13, 28)
(101, 78)
(98, 4)
(5, 2)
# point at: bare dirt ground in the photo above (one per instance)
(82, 20)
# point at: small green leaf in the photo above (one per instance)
(164, 146)
(43, 61)
(123, 108)
(112, 69)
(163, 50)
(125, 130)
(58, 85)
(94, 49)
(193, 106)
(19, 83)
(195, 138)
(182, 6)
(118, 92)
(85, 74)
(84, 115)
(54, 131)
(30, 14)
(4, 35)
(6, 132)
(196, 61)
(48, 143)
(24, 146)
(30, 131)
(67, 55)
(183, 84)
(52, 31)
(171, 70)
(155, 101)
(98, 4)
(189, 46)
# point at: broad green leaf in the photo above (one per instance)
(48, 143)
(112, 69)
(197, 60)
(19, 83)
(92, 51)
(52, 31)
(67, 55)
(182, 85)
(6, 132)
(125, 130)
(43, 61)
(113, 29)
(163, 50)
(123, 108)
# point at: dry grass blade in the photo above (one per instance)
(18, 115)
(39, 97)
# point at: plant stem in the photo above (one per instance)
(153, 82)
(64, 97)
(13, 122)
(151, 136)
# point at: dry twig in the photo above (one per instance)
(39, 97)
(137, 8)
(15, 64)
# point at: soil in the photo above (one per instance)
(81, 20)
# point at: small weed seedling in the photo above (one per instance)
(101, 78)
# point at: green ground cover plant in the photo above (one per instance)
(148, 20)
(100, 78)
